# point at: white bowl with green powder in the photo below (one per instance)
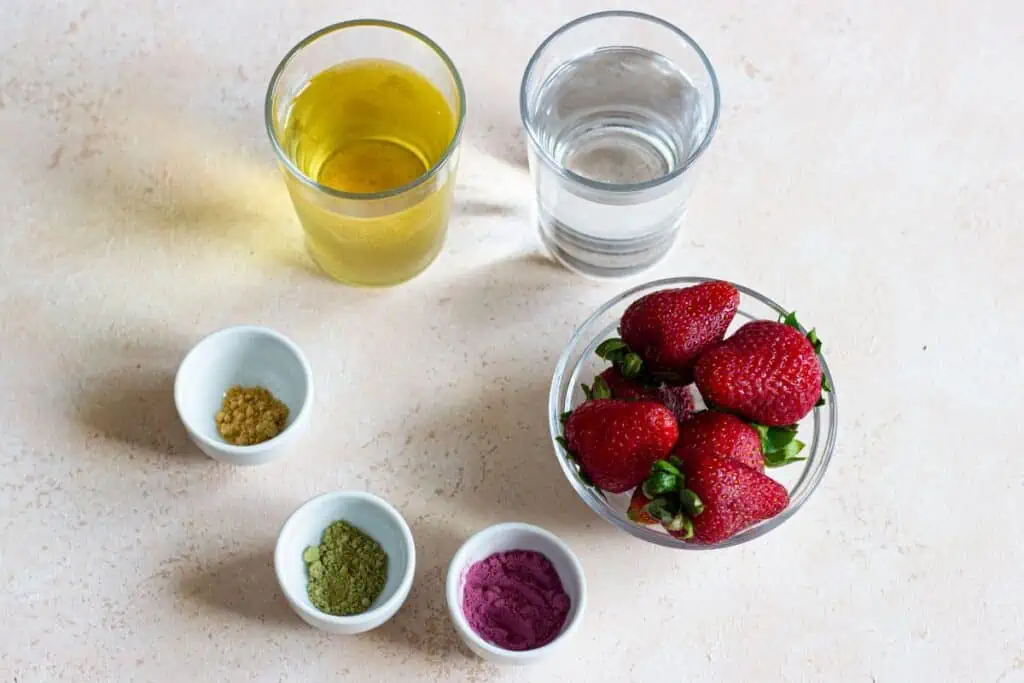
(345, 561)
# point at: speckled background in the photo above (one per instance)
(867, 172)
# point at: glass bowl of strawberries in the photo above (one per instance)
(693, 413)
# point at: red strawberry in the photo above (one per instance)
(616, 441)
(767, 372)
(622, 387)
(678, 399)
(637, 510)
(669, 328)
(714, 433)
(734, 497)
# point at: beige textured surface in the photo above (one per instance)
(867, 172)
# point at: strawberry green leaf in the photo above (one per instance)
(676, 523)
(659, 483)
(611, 348)
(790, 319)
(587, 392)
(685, 528)
(563, 443)
(631, 366)
(785, 457)
(600, 389)
(826, 387)
(812, 337)
(691, 503)
(779, 445)
(680, 525)
(662, 509)
(674, 460)
(775, 437)
(672, 503)
(564, 417)
(618, 353)
(665, 466)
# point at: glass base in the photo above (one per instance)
(604, 259)
(344, 276)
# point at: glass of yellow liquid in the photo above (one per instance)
(366, 118)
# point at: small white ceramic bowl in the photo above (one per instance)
(514, 536)
(374, 517)
(249, 356)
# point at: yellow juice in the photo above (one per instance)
(366, 127)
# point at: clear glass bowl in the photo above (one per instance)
(579, 364)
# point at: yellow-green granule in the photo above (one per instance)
(347, 571)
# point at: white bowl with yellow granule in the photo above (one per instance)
(244, 394)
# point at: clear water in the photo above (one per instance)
(619, 116)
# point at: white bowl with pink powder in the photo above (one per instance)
(515, 593)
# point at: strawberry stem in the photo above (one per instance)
(632, 365)
(672, 503)
(692, 505)
(659, 483)
(600, 389)
(617, 352)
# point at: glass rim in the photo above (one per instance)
(268, 109)
(615, 187)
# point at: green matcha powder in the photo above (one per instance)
(347, 571)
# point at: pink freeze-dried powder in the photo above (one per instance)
(515, 600)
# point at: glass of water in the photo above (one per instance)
(618, 107)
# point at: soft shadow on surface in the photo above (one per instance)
(528, 288)
(423, 624)
(500, 134)
(483, 208)
(539, 259)
(243, 584)
(499, 194)
(134, 405)
(168, 176)
(483, 441)
(497, 460)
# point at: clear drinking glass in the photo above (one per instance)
(377, 234)
(618, 107)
